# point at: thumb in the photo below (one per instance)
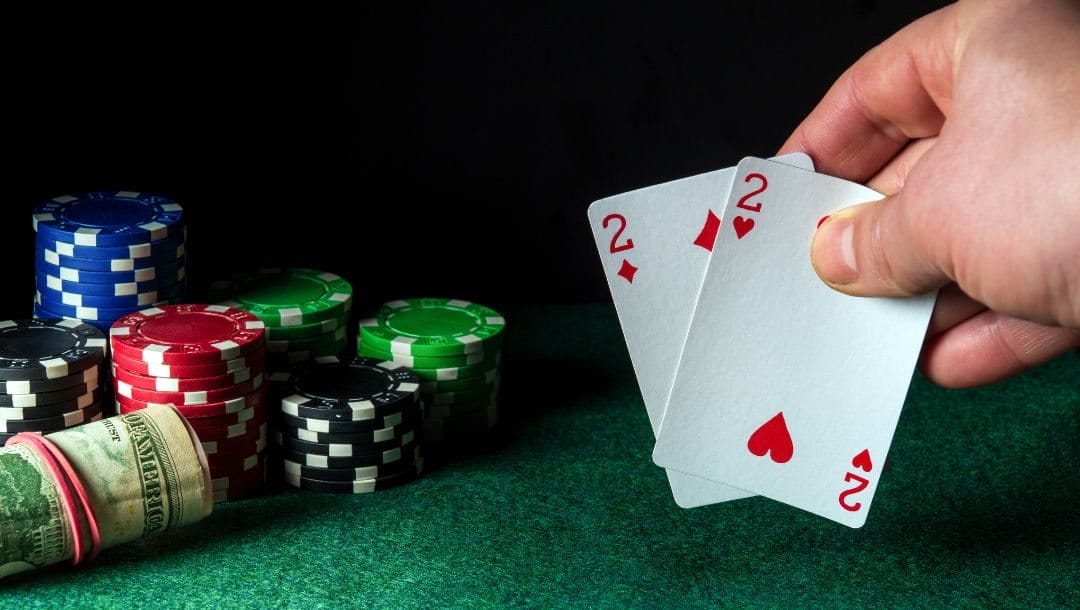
(874, 249)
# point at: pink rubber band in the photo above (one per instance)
(80, 491)
(30, 439)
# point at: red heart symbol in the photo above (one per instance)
(772, 438)
(862, 461)
(742, 226)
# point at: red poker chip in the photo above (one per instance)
(235, 487)
(254, 360)
(254, 412)
(246, 429)
(235, 468)
(238, 446)
(241, 479)
(184, 384)
(187, 334)
(213, 409)
(126, 390)
(257, 446)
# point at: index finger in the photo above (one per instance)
(898, 91)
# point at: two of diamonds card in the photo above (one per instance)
(757, 378)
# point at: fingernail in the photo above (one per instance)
(833, 251)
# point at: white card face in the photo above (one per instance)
(787, 388)
(654, 244)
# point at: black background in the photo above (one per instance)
(442, 150)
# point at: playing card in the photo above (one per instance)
(654, 244)
(786, 387)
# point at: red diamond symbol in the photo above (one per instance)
(707, 238)
(627, 271)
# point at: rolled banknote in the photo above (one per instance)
(143, 472)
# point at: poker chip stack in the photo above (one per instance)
(49, 375)
(208, 361)
(306, 313)
(102, 255)
(454, 347)
(351, 426)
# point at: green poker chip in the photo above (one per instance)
(287, 297)
(432, 327)
(461, 427)
(426, 362)
(289, 359)
(451, 373)
(306, 344)
(458, 396)
(487, 378)
(474, 409)
(304, 331)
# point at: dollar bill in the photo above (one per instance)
(144, 472)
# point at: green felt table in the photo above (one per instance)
(977, 506)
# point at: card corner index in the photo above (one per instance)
(753, 158)
(594, 208)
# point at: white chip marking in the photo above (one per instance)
(55, 367)
(291, 316)
(122, 264)
(154, 353)
(227, 348)
(85, 236)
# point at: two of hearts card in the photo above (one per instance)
(757, 377)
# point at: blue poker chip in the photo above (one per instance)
(117, 218)
(171, 273)
(101, 314)
(157, 250)
(41, 313)
(111, 264)
(143, 299)
(52, 282)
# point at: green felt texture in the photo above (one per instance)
(976, 507)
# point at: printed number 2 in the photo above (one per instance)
(764, 185)
(615, 246)
(861, 485)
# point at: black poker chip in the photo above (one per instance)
(57, 409)
(351, 487)
(306, 407)
(37, 386)
(358, 450)
(48, 348)
(54, 423)
(413, 464)
(358, 380)
(373, 435)
(342, 427)
(46, 398)
(388, 456)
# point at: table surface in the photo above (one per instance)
(977, 506)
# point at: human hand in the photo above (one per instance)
(969, 119)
